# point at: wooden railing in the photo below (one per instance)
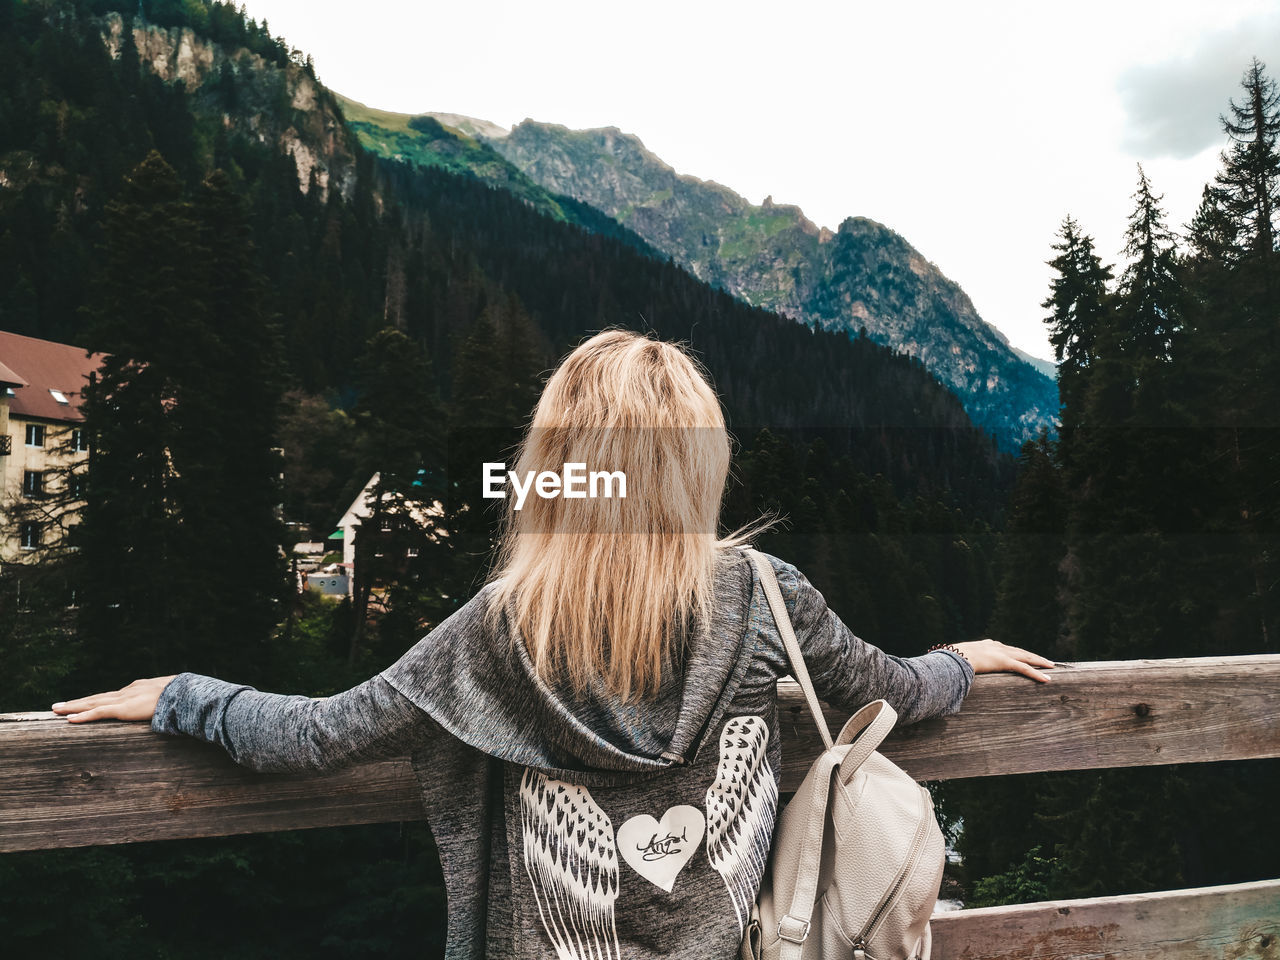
(70, 785)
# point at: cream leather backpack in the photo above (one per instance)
(858, 855)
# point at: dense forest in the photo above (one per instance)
(1149, 528)
(264, 325)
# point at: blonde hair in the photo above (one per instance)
(609, 587)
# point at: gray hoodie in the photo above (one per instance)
(577, 827)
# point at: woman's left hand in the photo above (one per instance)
(992, 656)
(137, 701)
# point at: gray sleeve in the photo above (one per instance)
(848, 673)
(273, 732)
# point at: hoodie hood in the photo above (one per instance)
(480, 685)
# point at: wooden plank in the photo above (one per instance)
(74, 785)
(1090, 715)
(1233, 922)
(64, 784)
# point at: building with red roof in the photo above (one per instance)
(43, 447)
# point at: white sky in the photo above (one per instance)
(971, 129)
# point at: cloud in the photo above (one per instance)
(1172, 107)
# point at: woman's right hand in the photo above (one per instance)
(137, 701)
(992, 656)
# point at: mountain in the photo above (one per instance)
(862, 276)
(350, 242)
(771, 255)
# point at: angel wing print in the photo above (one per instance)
(741, 805)
(572, 862)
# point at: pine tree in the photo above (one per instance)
(1250, 176)
(1150, 288)
(1212, 318)
(398, 419)
(1248, 190)
(229, 416)
(147, 294)
(1217, 347)
(1078, 303)
(180, 513)
(1245, 292)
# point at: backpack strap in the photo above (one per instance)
(793, 927)
(865, 731)
(862, 734)
(769, 581)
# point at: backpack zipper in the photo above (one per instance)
(860, 942)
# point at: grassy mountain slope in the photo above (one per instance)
(424, 141)
(453, 144)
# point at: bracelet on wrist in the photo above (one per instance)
(949, 646)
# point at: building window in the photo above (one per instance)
(77, 440)
(33, 483)
(35, 434)
(30, 535)
(75, 484)
(58, 395)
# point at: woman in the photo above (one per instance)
(596, 732)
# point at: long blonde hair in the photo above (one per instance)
(608, 587)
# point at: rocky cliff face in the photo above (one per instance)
(862, 276)
(284, 105)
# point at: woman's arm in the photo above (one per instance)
(268, 732)
(848, 672)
